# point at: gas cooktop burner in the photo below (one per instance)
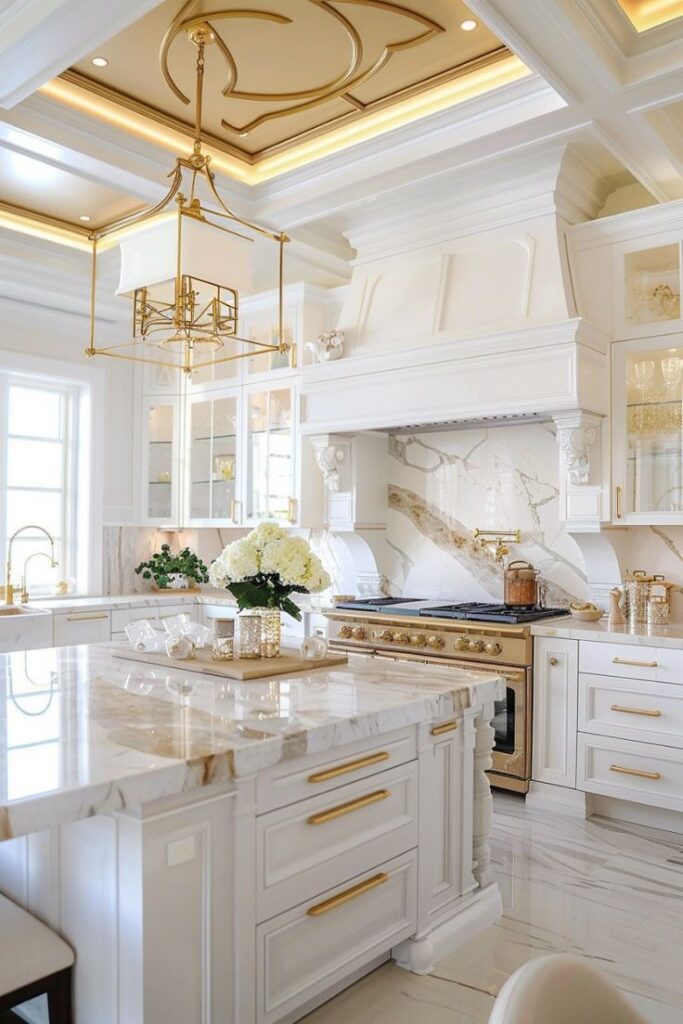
(373, 604)
(492, 612)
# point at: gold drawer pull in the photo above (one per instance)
(352, 805)
(635, 771)
(350, 766)
(638, 664)
(554, 661)
(438, 730)
(350, 894)
(637, 711)
(86, 618)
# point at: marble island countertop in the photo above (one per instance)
(83, 733)
(569, 628)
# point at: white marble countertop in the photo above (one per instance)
(83, 733)
(150, 599)
(569, 628)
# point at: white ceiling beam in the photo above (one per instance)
(41, 38)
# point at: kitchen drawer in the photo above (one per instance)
(290, 781)
(80, 628)
(313, 844)
(302, 953)
(654, 774)
(628, 661)
(629, 709)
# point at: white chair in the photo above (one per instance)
(34, 961)
(561, 989)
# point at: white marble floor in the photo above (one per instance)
(608, 892)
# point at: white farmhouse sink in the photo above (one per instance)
(23, 628)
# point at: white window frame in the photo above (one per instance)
(82, 541)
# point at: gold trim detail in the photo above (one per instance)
(439, 730)
(655, 713)
(352, 805)
(350, 766)
(637, 664)
(655, 776)
(86, 618)
(349, 894)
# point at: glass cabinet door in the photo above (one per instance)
(159, 483)
(653, 477)
(270, 455)
(213, 458)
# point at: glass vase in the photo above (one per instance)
(270, 632)
(249, 637)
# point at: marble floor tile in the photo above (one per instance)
(606, 891)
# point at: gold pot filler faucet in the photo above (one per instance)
(9, 589)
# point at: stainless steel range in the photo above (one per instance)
(476, 637)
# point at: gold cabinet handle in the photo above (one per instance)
(636, 711)
(353, 805)
(554, 661)
(349, 894)
(350, 766)
(655, 776)
(638, 664)
(619, 509)
(438, 730)
(83, 618)
(291, 510)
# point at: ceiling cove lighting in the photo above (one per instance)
(171, 255)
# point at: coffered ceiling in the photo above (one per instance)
(282, 72)
(646, 14)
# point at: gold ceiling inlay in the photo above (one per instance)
(302, 99)
(290, 81)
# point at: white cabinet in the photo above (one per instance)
(160, 464)
(647, 430)
(213, 459)
(81, 628)
(555, 711)
(446, 818)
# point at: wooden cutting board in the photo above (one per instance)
(238, 668)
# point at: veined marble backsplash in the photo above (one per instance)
(444, 485)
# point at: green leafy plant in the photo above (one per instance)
(163, 565)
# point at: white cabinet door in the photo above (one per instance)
(212, 459)
(647, 431)
(555, 711)
(160, 484)
(445, 818)
(81, 628)
(269, 458)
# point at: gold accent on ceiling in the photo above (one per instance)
(645, 14)
(375, 65)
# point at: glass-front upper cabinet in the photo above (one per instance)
(160, 477)
(647, 430)
(212, 459)
(270, 469)
(647, 288)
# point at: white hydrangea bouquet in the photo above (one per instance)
(266, 566)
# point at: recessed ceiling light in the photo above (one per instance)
(101, 62)
(84, 217)
(468, 25)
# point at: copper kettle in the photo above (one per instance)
(520, 582)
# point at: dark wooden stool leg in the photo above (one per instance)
(59, 999)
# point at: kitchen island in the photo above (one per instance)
(232, 852)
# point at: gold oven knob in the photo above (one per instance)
(358, 633)
(435, 642)
(417, 640)
(461, 644)
(386, 636)
(476, 646)
(492, 647)
(345, 632)
(401, 638)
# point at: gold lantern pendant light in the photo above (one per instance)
(182, 317)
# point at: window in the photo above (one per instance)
(39, 477)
